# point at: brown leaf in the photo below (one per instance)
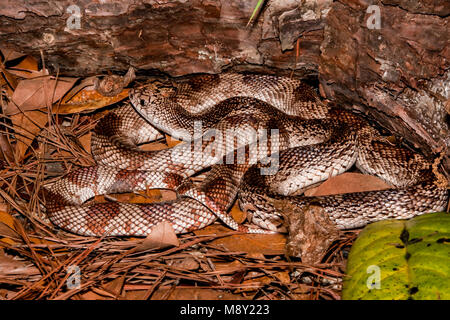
(281, 276)
(9, 54)
(5, 217)
(188, 263)
(136, 294)
(6, 149)
(301, 292)
(172, 142)
(238, 215)
(87, 84)
(10, 267)
(8, 235)
(162, 236)
(109, 291)
(27, 74)
(28, 63)
(27, 125)
(6, 294)
(348, 182)
(149, 196)
(95, 294)
(115, 286)
(85, 141)
(228, 267)
(7, 232)
(168, 195)
(2, 81)
(270, 244)
(153, 146)
(194, 294)
(88, 100)
(37, 93)
(27, 68)
(10, 78)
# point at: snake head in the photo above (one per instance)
(151, 95)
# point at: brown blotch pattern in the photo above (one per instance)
(304, 93)
(98, 216)
(204, 82)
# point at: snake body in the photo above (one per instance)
(275, 123)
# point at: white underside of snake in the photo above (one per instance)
(289, 141)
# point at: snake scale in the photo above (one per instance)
(260, 135)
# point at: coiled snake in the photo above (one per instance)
(261, 135)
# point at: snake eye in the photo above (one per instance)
(142, 101)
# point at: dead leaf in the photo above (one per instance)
(188, 263)
(238, 215)
(168, 195)
(13, 267)
(27, 74)
(115, 286)
(136, 294)
(153, 146)
(9, 54)
(37, 93)
(108, 291)
(6, 149)
(8, 233)
(301, 292)
(161, 236)
(6, 294)
(149, 196)
(5, 217)
(145, 196)
(27, 125)
(28, 63)
(181, 293)
(269, 244)
(87, 83)
(10, 78)
(85, 141)
(172, 142)
(27, 68)
(281, 276)
(96, 294)
(256, 255)
(2, 81)
(348, 182)
(88, 100)
(228, 267)
(194, 294)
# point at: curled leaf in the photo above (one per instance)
(38, 93)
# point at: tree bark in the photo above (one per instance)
(174, 37)
(398, 73)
